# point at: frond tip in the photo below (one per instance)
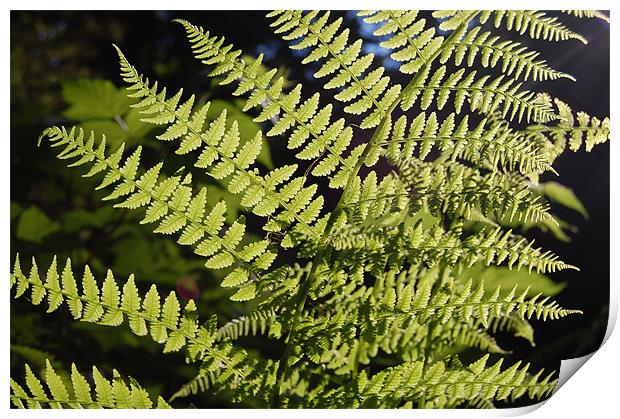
(114, 394)
(534, 23)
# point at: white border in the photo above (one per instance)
(594, 391)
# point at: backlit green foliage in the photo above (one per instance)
(414, 264)
(113, 394)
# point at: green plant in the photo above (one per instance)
(385, 290)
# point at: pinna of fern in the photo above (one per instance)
(222, 158)
(457, 190)
(108, 394)
(377, 246)
(342, 63)
(412, 40)
(169, 201)
(490, 145)
(437, 386)
(572, 130)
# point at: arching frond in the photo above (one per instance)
(406, 338)
(198, 384)
(572, 129)
(521, 328)
(413, 43)
(111, 305)
(491, 144)
(373, 247)
(588, 14)
(255, 385)
(170, 202)
(167, 322)
(224, 159)
(376, 300)
(426, 304)
(256, 322)
(114, 394)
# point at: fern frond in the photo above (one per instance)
(512, 323)
(413, 45)
(496, 246)
(484, 95)
(588, 14)
(341, 60)
(310, 125)
(459, 191)
(114, 394)
(371, 247)
(199, 384)
(110, 305)
(413, 321)
(480, 403)
(375, 202)
(572, 130)
(256, 322)
(466, 304)
(376, 300)
(410, 340)
(536, 24)
(516, 60)
(491, 144)
(167, 322)
(469, 335)
(256, 384)
(223, 158)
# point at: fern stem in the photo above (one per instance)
(304, 289)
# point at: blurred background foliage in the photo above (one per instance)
(64, 71)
